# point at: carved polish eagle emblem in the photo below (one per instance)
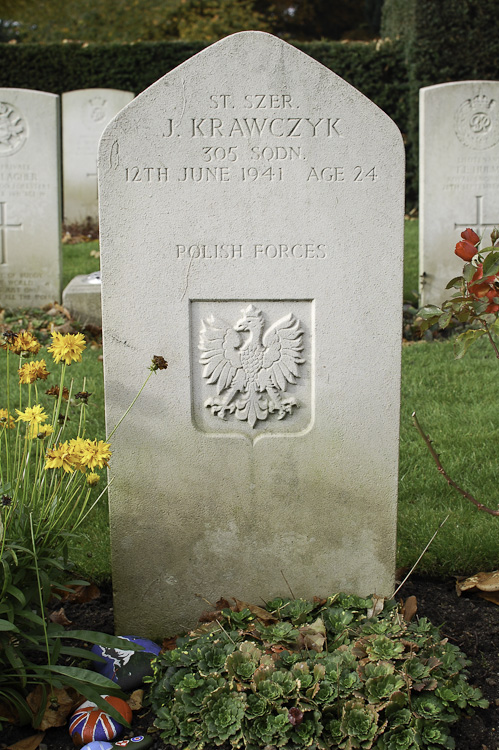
(251, 372)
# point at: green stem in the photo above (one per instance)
(40, 595)
(130, 407)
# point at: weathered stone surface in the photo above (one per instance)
(252, 210)
(85, 114)
(30, 219)
(459, 176)
(82, 297)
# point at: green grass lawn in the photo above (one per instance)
(457, 403)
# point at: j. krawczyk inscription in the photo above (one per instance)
(247, 369)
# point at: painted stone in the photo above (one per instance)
(141, 742)
(127, 668)
(135, 743)
(89, 723)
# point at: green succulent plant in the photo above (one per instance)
(325, 675)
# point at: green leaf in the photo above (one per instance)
(429, 311)
(465, 340)
(86, 681)
(455, 282)
(93, 679)
(17, 593)
(445, 319)
(6, 625)
(491, 264)
(101, 639)
(469, 271)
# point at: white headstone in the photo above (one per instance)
(251, 233)
(85, 114)
(82, 297)
(459, 176)
(30, 217)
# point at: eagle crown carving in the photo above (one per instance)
(251, 373)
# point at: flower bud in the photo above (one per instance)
(470, 236)
(465, 250)
(494, 235)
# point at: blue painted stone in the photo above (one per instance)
(141, 742)
(127, 668)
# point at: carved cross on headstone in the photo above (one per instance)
(478, 222)
(3, 227)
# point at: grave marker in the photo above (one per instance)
(459, 176)
(251, 233)
(85, 114)
(30, 219)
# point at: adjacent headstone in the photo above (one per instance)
(82, 297)
(251, 233)
(459, 176)
(30, 217)
(85, 114)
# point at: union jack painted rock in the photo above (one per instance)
(90, 723)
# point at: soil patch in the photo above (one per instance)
(469, 622)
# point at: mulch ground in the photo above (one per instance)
(469, 622)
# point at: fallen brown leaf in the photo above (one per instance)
(260, 613)
(57, 710)
(80, 594)
(136, 699)
(409, 608)
(59, 616)
(29, 743)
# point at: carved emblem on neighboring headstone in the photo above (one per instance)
(476, 122)
(13, 129)
(96, 109)
(251, 372)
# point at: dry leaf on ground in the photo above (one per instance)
(260, 613)
(409, 608)
(56, 712)
(59, 616)
(29, 743)
(136, 699)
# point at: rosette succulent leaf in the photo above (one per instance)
(241, 666)
(222, 714)
(359, 722)
(382, 647)
(272, 729)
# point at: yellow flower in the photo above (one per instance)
(32, 371)
(7, 420)
(67, 347)
(94, 454)
(93, 479)
(76, 448)
(34, 415)
(39, 431)
(24, 341)
(59, 457)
